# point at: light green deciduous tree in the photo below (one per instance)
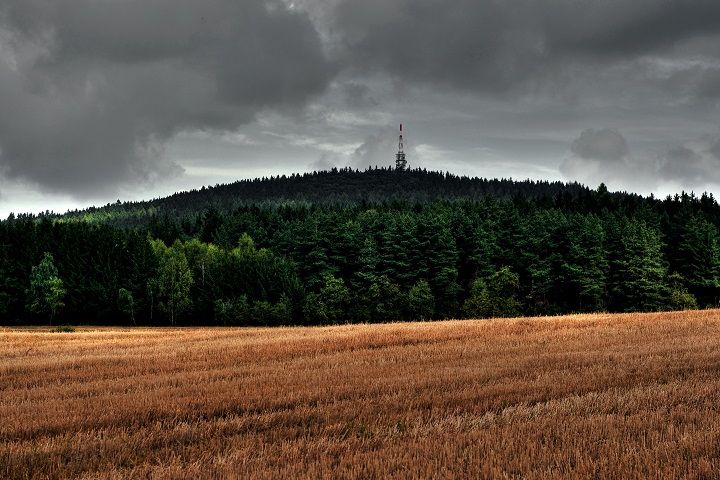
(174, 279)
(46, 292)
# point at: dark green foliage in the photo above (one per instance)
(387, 302)
(349, 246)
(584, 266)
(680, 298)
(421, 302)
(494, 296)
(485, 250)
(234, 311)
(699, 259)
(330, 304)
(126, 304)
(62, 329)
(338, 187)
(272, 314)
(442, 259)
(637, 269)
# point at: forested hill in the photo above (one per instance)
(349, 246)
(341, 187)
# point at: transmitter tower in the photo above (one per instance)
(400, 162)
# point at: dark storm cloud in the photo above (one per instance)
(621, 27)
(708, 83)
(464, 43)
(91, 90)
(358, 95)
(493, 46)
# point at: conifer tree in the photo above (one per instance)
(442, 257)
(699, 259)
(637, 269)
(585, 264)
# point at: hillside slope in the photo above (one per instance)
(343, 187)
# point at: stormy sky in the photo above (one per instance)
(131, 99)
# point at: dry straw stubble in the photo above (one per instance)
(602, 396)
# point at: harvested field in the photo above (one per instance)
(591, 396)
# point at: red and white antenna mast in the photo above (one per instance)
(400, 162)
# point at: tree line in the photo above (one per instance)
(303, 263)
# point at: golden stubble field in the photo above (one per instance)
(592, 396)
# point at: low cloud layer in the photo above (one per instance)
(695, 163)
(605, 156)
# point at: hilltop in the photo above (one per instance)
(342, 187)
